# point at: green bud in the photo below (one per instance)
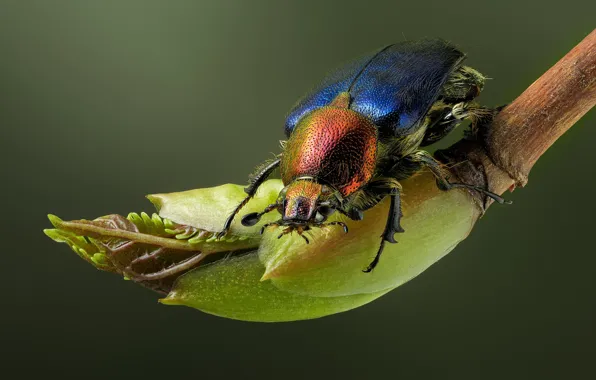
(262, 278)
(232, 288)
(331, 265)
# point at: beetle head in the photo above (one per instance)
(303, 204)
(300, 200)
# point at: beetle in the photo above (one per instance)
(355, 136)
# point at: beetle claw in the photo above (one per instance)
(305, 239)
(338, 223)
(345, 227)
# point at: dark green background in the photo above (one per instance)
(102, 102)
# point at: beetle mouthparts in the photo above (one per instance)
(301, 228)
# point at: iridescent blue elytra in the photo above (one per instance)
(355, 136)
(394, 86)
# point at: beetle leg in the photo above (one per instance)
(456, 104)
(352, 213)
(286, 231)
(443, 179)
(472, 111)
(275, 224)
(392, 226)
(250, 190)
(305, 238)
(338, 223)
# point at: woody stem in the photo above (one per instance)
(527, 127)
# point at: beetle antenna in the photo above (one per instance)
(276, 224)
(253, 218)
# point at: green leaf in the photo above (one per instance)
(208, 208)
(231, 288)
(80, 245)
(149, 250)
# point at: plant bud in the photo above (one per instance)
(263, 278)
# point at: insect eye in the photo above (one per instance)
(326, 210)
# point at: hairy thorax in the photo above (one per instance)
(334, 145)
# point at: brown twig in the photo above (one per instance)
(527, 127)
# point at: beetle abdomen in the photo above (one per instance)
(334, 145)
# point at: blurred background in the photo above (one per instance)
(102, 102)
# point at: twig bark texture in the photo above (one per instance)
(527, 127)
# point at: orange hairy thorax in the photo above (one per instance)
(335, 145)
